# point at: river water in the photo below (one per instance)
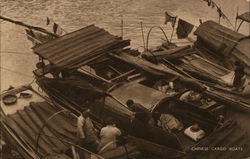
(18, 61)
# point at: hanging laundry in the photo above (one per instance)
(184, 29)
(170, 18)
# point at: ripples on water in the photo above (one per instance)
(75, 14)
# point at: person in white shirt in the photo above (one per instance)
(108, 135)
(86, 133)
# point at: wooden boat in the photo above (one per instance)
(112, 105)
(72, 57)
(44, 130)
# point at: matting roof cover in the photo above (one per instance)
(77, 48)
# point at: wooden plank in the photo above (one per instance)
(82, 70)
(168, 52)
(178, 55)
(156, 149)
(122, 75)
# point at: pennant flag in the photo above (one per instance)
(209, 3)
(184, 29)
(48, 21)
(170, 18)
(54, 27)
(58, 30)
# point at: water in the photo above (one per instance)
(18, 61)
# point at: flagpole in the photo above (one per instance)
(143, 39)
(172, 33)
(28, 26)
(236, 18)
(122, 27)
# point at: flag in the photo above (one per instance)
(57, 29)
(170, 18)
(54, 27)
(184, 29)
(209, 3)
(48, 20)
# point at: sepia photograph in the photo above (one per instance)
(125, 79)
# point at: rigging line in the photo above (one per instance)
(29, 26)
(13, 52)
(15, 72)
(218, 7)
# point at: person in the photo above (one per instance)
(86, 133)
(161, 86)
(165, 87)
(135, 107)
(238, 74)
(192, 97)
(141, 113)
(167, 122)
(108, 135)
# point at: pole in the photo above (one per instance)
(172, 33)
(142, 32)
(122, 27)
(236, 19)
(28, 26)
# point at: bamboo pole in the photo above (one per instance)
(29, 26)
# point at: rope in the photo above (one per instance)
(13, 52)
(43, 126)
(219, 8)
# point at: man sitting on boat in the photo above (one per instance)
(108, 135)
(165, 87)
(140, 112)
(86, 133)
